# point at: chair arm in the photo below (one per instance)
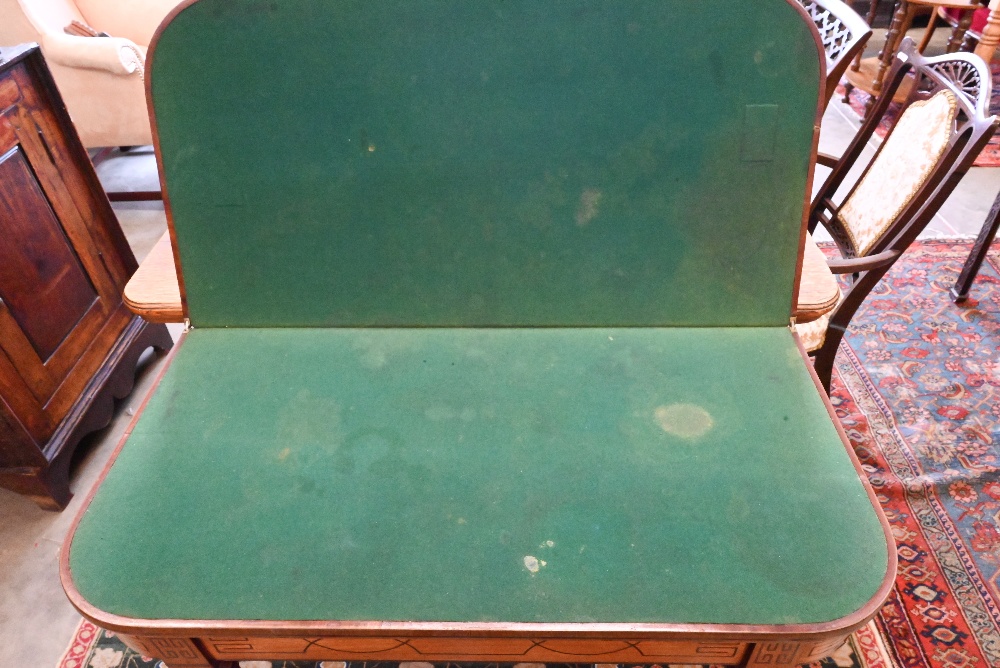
(859, 264)
(826, 160)
(113, 54)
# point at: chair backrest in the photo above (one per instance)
(933, 141)
(44, 16)
(843, 33)
(941, 128)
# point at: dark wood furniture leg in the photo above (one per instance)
(901, 20)
(856, 65)
(125, 195)
(960, 291)
(48, 486)
(958, 35)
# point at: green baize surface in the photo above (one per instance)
(645, 474)
(601, 164)
(486, 162)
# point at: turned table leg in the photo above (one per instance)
(991, 33)
(856, 65)
(901, 20)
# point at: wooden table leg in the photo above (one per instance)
(174, 652)
(991, 33)
(789, 653)
(958, 35)
(901, 20)
(960, 291)
(856, 65)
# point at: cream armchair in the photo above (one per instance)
(100, 78)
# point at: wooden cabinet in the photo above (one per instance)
(68, 345)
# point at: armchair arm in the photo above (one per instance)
(859, 264)
(116, 55)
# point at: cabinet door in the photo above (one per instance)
(57, 292)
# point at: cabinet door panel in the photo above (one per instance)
(41, 280)
(54, 298)
(18, 395)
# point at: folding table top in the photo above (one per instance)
(544, 475)
(488, 162)
(490, 303)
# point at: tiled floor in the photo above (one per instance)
(35, 616)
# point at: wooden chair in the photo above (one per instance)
(868, 74)
(843, 33)
(930, 147)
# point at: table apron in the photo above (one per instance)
(206, 651)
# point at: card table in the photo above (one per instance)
(489, 355)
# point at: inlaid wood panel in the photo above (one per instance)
(175, 652)
(465, 648)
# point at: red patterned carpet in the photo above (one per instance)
(919, 397)
(917, 387)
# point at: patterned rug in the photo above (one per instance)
(917, 388)
(988, 157)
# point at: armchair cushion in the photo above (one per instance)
(907, 159)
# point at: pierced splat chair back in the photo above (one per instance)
(843, 33)
(940, 130)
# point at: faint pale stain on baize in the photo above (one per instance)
(587, 209)
(683, 420)
(377, 351)
(308, 427)
(533, 564)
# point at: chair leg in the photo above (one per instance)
(929, 31)
(824, 358)
(848, 87)
(901, 21)
(958, 35)
(960, 291)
